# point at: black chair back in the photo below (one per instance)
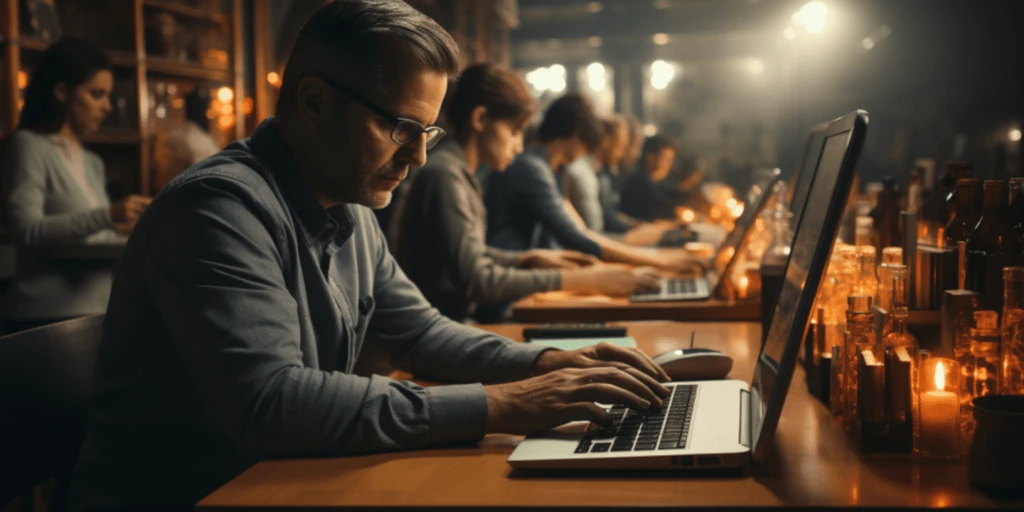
(45, 383)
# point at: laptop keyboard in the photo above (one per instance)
(673, 287)
(666, 428)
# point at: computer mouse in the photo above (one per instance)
(694, 364)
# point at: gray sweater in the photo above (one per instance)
(239, 310)
(439, 237)
(44, 206)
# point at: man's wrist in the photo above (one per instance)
(541, 364)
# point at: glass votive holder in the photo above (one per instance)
(937, 435)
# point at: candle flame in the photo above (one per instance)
(940, 377)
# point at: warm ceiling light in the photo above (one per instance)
(660, 39)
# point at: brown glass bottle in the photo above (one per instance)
(960, 171)
(968, 210)
(1017, 205)
(887, 215)
(992, 246)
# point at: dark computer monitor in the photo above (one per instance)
(833, 174)
(800, 183)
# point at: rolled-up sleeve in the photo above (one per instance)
(533, 189)
(215, 270)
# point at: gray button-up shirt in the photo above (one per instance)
(237, 314)
(439, 236)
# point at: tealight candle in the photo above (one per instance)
(938, 408)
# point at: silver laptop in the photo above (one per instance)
(711, 284)
(723, 423)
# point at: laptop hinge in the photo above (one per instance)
(745, 417)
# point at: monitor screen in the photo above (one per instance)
(789, 320)
(801, 184)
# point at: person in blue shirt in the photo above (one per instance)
(649, 194)
(526, 209)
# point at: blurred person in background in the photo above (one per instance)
(525, 208)
(579, 181)
(632, 154)
(177, 148)
(649, 194)
(55, 189)
(442, 223)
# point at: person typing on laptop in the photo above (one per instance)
(526, 209)
(252, 283)
(440, 227)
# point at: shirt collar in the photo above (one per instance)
(319, 224)
(455, 151)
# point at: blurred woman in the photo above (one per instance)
(55, 189)
(441, 226)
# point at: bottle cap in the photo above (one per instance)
(891, 255)
(859, 303)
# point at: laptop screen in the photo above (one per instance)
(734, 243)
(812, 243)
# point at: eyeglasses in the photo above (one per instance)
(404, 130)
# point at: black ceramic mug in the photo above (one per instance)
(996, 459)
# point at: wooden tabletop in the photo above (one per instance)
(554, 307)
(812, 464)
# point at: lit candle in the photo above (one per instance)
(939, 411)
(742, 286)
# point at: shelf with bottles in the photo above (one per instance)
(181, 40)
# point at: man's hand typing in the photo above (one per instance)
(569, 384)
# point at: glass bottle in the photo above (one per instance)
(1017, 205)
(863, 233)
(867, 281)
(992, 246)
(913, 199)
(900, 349)
(890, 256)
(934, 208)
(960, 171)
(1012, 381)
(860, 335)
(968, 203)
(887, 215)
(981, 375)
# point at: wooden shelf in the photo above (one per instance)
(173, 67)
(118, 58)
(184, 10)
(113, 138)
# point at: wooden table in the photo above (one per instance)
(555, 307)
(813, 464)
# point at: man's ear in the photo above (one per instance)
(313, 100)
(478, 118)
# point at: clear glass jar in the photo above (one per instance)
(1013, 331)
(890, 256)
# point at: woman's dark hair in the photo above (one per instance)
(571, 116)
(500, 90)
(656, 143)
(69, 61)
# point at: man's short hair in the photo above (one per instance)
(571, 116)
(655, 143)
(358, 38)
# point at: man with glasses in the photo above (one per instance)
(255, 279)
